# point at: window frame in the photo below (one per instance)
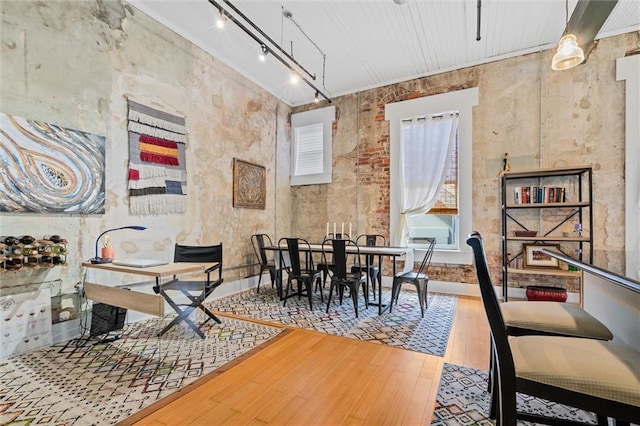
(462, 101)
(326, 116)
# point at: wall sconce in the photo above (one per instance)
(96, 258)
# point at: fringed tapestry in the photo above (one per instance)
(157, 167)
(45, 168)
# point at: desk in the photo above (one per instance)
(121, 296)
(380, 251)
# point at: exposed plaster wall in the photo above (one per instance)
(74, 64)
(540, 117)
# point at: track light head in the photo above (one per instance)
(221, 19)
(316, 99)
(264, 51)
(294, 79)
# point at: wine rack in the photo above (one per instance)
(27, 252)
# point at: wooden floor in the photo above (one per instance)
(306, 377)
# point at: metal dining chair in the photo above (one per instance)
(259, 242)
(373, 270)
(419, 279)
(298, 263)
(339, 277)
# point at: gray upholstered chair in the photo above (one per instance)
(594, 375)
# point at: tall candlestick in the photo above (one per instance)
(334, 229)
(350, 236)
(327, 230)
(342, 232)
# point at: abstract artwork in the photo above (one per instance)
(50, 169)
(157, 166)
(249, 185)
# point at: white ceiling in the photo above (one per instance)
(376, 42)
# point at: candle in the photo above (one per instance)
(327, 230)
(342, 232)
(334, 229)
(350, 236)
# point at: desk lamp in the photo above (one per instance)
(97, 259)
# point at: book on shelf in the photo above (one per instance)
(539, 195)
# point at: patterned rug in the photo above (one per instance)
(403, 328)
(463, 400)
(104, 383)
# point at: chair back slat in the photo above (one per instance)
(296, 248)
(371, 240)
(492, 309)
(259, 242)
(426, 261)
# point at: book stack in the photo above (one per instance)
(538, 195)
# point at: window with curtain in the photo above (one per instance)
(448, 215)
(429, 179)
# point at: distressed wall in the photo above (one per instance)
(543, 118)
(74, 64)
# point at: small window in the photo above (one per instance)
(311, 142)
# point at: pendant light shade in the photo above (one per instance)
(569, 54)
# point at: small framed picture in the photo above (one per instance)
(535, 258)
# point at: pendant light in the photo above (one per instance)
(569, 53)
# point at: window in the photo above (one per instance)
(445, 220)
(311, 143)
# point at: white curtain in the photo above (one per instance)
(425, 152)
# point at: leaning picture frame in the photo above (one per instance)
(534, 257)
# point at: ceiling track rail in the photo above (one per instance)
(289, 62)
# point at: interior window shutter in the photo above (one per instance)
(309, 150)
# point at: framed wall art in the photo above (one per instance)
(47, 168)
(534, 257)
(249, 185)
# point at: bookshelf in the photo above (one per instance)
(560, 213)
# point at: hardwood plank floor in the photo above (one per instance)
(307, 378)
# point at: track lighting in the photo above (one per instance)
(316, 99)
(299, 72)
(264, 52)
(221, 19)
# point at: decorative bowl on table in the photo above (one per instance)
(525, 233)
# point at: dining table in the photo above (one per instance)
(381, 252)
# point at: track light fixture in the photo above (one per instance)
(259, 36)
(264, 51)
(316, 99)
(221, 18)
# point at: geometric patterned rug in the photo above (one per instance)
(463, 400)
(403, 328)
(104, 383)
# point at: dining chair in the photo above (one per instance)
(546, 318)
(373, 270)
(259, 242)
(196, 291)
(593, 375)
(297, 261)
(339, 277)
(419, 279)
(326, 264)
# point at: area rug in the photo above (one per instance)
(104, 383)
(463, 400)
(403, 328)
